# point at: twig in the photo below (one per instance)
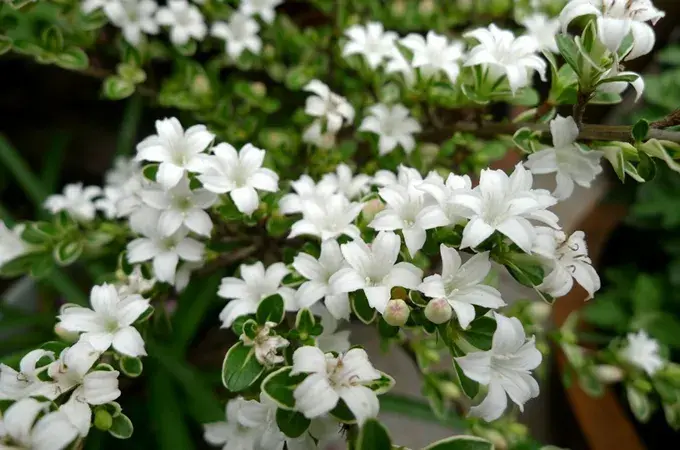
(580, 107)
(587, 131)
(670, 120)
(228, 258)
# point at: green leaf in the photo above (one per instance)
(615, 157)
(461, 443)
(386, 330)
(271, 309)
(640, 130)
(569, 50)
(66, 253)
(605, 98)
(525, 97)
(122, 428)
(73, 58)
(52, 40)
(342, 413)
(21, 265)
(39, 233)
(116, 88)
(640, 404)
(361, 308)
(291, 423)
(373, 436)
(620, 78)
(167, 413)
(656, 149)
(525, 269)
(480, 333)
(11, 160)
(304, 322)
(647, 294)
(5, 44)
(279, 387)
(130, 366)
(417, 409)
(382, 385)
(646, 168)
(240, 368)
(192, 307)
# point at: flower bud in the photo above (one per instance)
(608, 374)
(450, 389)
(438, 311)
(396, 313)
(103, 420)
(372, 207)
(539, 311)
(65, 335)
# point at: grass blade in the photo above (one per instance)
(16, 165)
(129, 126)
(166, 414)
(54, 159)
(417, 409)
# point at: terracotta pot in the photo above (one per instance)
(603, 421)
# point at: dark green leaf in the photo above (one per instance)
(640, 130)
(192, 307)
(131, 367)
(646, 168)
(386, 330)
(569, 50)
(361, 308)
(304, 322)
(271, 309)
(122, 428)
(291, 423)
(480, 333)
(240, 368)
(279, 386)
(373, 436)
(167, 413)
(342, 413)
(461, 443)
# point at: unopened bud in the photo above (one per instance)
(372, 207)
(396, 312)
(438, 311)
(608, 374)
(65, 335)
(426, 7)
(449, 389)
(539, 311)
(102, 420)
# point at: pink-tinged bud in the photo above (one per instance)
(608, 374)
(372, 207)
(438, 311)
(65, 335)
(396, 313)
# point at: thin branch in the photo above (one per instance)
(670, 120)
(587, 131)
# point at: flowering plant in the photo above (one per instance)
(325, 168)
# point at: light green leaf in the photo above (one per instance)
(279, 387)
(122, 428)
(131, 367)
(116, 88)
(67, 252)
(461, 443)
(73, 58)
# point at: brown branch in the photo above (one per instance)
(670, 120)
(587, 132)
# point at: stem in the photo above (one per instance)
(594, 132)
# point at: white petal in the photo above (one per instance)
(509, 335)
(613, 31)
(308, 267)
(377, 297)
(475, 232)
(169, 222)
(362, 401)
(643, 40)
(246, 199)
(493, 405)
(53, 431)
(310, 293)
(308, 359)
(165, 265)
(338, 305)
(100, 387)
(169, 174)
(129, 342)
(235, 309)
(314, 397)
(476, 366)
(519, 231)
(465, 312)
(190, 250)
(564, 131)
(414, 238)
(199, 222)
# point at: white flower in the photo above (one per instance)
(135, 283)
(11, 244)
(184, 19)
(504, 54)
(371, 41)
(108, 203)
(570, 262)
(77, 201)
(255, 285)
(618, 87)
(20, 430)
(615, 20)
(124, 169)
(566, 158)
(329, 219)
(330, 339)
(434, 54)
(109, 322)
(97, 387)
(165, 251)
(344, 181)
(261, 416)
(505, 369)
(89, 6)
(240, 33)
(375, 269)
(319, 273)
(331, 107)
(266, 345)
(393, 125)
(405, 176)
(397, 63)
(134, 17)
(184, 271)
(316, 135)
(232, 434)
(240, 174)
(643, 352)
(407, 211)
(25, 383)
(504, 204)
(306, 190)
(263, 8)
(177, 151)
(543, 29)
(179, 206)
(444, 193)
(333, 378)
(461, 285)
